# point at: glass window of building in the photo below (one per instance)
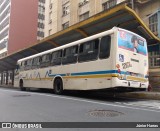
(84, 16)
(109, 4)
(65, 9)
(65, 25)
(153, 23)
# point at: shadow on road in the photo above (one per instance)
(92, 95)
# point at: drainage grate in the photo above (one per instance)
(21, 95)
(105, 113)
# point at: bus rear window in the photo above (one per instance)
(132, 42)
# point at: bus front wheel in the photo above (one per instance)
(58, 86)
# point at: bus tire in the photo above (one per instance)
(58, 86)
(22, 88)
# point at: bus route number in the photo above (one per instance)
(126, 65)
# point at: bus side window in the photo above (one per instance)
(28, 64)
(56, 58)
(45, 60)
(105, 47)
(22, 66)
(36, 62)
(70, 55)
(88, 51)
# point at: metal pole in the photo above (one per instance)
(7, 77)
(1, 78)
(132, 4)
(12, 77)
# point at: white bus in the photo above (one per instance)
(116, 58)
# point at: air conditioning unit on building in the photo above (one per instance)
(80, 4)
(50, 21)
(50, 6)
(85, 1)
(67, 12)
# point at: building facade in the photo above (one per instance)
(149, 11)
(4, 26)
(15, 27)
(41, 19)
(60, 14)
(21, 25)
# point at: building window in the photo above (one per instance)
(41, 16)
(41, 8)
(65, 25)
(65, 9)
(40, 34)
(84, 16)
(154, 62)
(153, 23)
(83, 2)
(40, 25)
(109, 4)
(42, 1)
(154, 59)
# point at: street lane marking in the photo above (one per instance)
(82, 100)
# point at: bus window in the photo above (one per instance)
(56, 58)
(88, 51)
(45, 60)
(105, 47)
(36, 62)
(22, 65)
(28, 64)
(70, 55)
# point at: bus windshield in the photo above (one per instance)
(132, 42)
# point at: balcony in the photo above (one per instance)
(4, 5)
(4, 33)
(3, 45)
(5, 13)
(4, 23)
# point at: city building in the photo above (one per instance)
(41, 19)
(60, 14)
(51, 15)
(21, 25)
(149, 11)
(15, 27)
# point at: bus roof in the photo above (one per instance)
(111, 31)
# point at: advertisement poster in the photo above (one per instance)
(132, 42)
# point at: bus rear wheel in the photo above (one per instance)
(22, 88)
(58, 86)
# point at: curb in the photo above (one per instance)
(141, 95)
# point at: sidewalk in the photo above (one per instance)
(141, 95)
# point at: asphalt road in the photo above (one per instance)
(43, 106)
